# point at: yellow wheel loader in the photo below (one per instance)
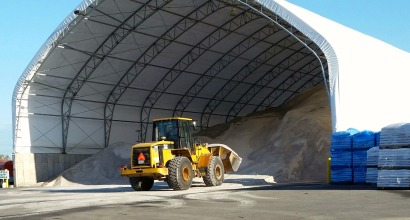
(173, 157)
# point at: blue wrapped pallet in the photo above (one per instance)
(341, 166)
(364, 140)
(341, 158)
(342, 140)
(359, 158)
(359, 174)
(371, 164)
(341, 175)
(359, 166)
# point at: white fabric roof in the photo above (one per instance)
(114, 65)
(368, 77)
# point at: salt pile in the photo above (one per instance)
(290, 143)
(99, 169)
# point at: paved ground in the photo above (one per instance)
(233, 200)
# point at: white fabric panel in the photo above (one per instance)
(367, 85)
(44, 105)
(85, 134)
(135, 97)
(45, 134)
(85, 109)
(125, 132)
(127, 113)
(39, 134)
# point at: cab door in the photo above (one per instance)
(185, 139)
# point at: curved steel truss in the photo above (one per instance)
(188, 59)
(213, 60)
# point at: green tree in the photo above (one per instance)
(4, 157)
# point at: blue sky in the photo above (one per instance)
(26, 25)
(382, 19)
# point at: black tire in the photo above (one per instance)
(141, 183)
(180, 173)
(215, 173)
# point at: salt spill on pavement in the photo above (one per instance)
(37, 200)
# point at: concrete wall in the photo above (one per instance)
(31, 169)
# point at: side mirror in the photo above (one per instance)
(194, 125)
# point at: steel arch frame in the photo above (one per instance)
(260, 11)
(295, 92)
(219, 65)
(276, 21)
(138, 17)
(108, 84)
(189, 58)
(149, 55)
(264, 80)
(248, 69)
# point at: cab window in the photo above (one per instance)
(167, 129)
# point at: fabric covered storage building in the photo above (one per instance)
(114, 65)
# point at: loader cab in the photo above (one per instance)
(173, 129)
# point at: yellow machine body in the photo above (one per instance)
(151, 159)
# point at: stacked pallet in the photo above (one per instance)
(362, 142)
(341, 156)
(377, 136)
(371, 164)
(394, 157)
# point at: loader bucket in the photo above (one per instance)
(230, 158)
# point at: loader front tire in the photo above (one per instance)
(141, 183)
(180, 173)
(214, 172)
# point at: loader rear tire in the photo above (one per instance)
(180, 173)
(141, 183)
(214, 172)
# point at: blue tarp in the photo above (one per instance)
(364, 140)
(342, 140)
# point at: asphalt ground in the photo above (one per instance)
(230, 201)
